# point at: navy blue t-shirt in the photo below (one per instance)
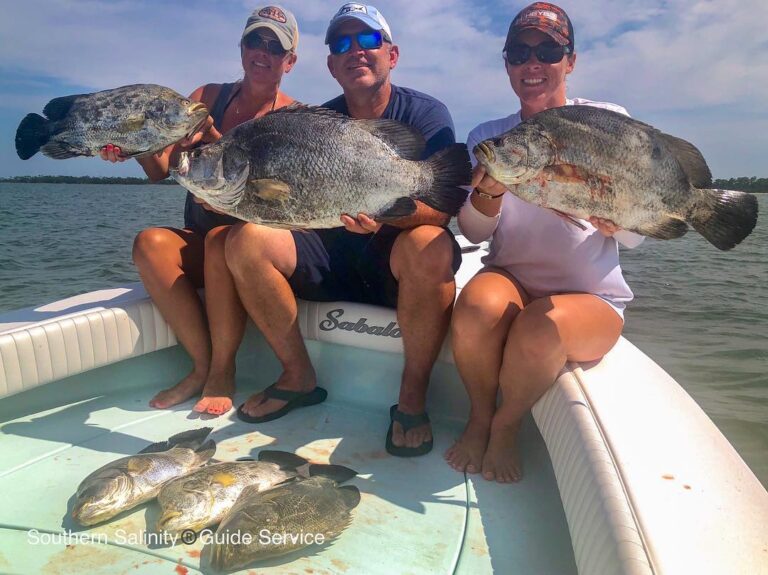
(428, 115)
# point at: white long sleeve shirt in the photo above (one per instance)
(544, 252)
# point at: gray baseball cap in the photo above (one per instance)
(281, 21)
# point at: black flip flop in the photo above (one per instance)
(407, 422)
(294, 398)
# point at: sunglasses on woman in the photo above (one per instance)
(546, 53)
(255, 41)
(367, 40)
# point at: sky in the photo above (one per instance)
(695, 69)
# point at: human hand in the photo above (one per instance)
(207, 206)
(207, 134)
(362, 225)
(482, 182)
(112, 153)
(604, 226)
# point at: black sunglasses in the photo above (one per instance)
(255, 41)
(367, 40)
(546, 53)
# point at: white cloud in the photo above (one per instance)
(660, 58)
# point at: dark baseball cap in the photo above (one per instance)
(546, 17)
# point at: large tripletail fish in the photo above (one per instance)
(141, 119)
(302, 167)
(587, 161)
(206, 495)
(132, 480)
(284, 519)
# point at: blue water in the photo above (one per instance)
(699, 313)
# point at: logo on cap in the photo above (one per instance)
(347, 8)
(534, 14)
(273, 13)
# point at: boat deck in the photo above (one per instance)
(416, 515)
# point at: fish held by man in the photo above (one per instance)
(586, 161)
(203, 497)
(130, 481)
(303, 166)
(265, 524)
(141, 119)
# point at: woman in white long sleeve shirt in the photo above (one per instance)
(550, 292)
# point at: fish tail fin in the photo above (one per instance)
(205, 451)
(723, 217)
(192, 439)
(451, 169)
(31, 135)
(338, 473)
(285, 460)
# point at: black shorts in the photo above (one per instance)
(202, 221)
(338, 265)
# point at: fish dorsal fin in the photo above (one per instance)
(57, 108)
(690, 159)
(299, 108)
(191, 439)
(406, 140)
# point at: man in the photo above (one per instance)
(410, 267)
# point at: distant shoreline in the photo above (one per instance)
(85, 180)
(753, 185)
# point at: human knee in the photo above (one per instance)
(244, 247)
(149, 244)
(477, 312)
(425, 252)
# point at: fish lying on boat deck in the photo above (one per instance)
(203, 497)
(132, 480)
(140, 119)
(302, 167)
(587, 161)
(284, 519)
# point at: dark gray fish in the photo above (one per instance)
(141, 119)
(132, 480)
(265, 524)
(302, 167)
(587, 161)
(203, 497)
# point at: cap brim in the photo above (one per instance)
(364, 18)
(556, 36)
(285, 40)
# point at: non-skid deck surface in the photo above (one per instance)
(416, 515)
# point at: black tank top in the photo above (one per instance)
(196, 217)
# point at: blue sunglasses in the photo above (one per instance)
(367, 40)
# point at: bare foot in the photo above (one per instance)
(258, 406)
(502, 461)
(467, 453)
(182, 391)
(217, 395)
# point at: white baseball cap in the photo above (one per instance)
(366, 14)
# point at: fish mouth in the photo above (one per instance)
(484, 153)
(195, 109)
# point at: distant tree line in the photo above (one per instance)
(82, 180)
(753, 184)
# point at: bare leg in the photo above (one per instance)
(170, 263)
(421, 263)
(261, 259)
(546, 334)
(481, 320)
(226, 321)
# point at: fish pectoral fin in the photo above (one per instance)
(132, 123)
(666, 229)
(138, 465)
(572, 174)
(690, 159)
(271, 190)
(59, 150)
(406, 140)
(400, 208)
